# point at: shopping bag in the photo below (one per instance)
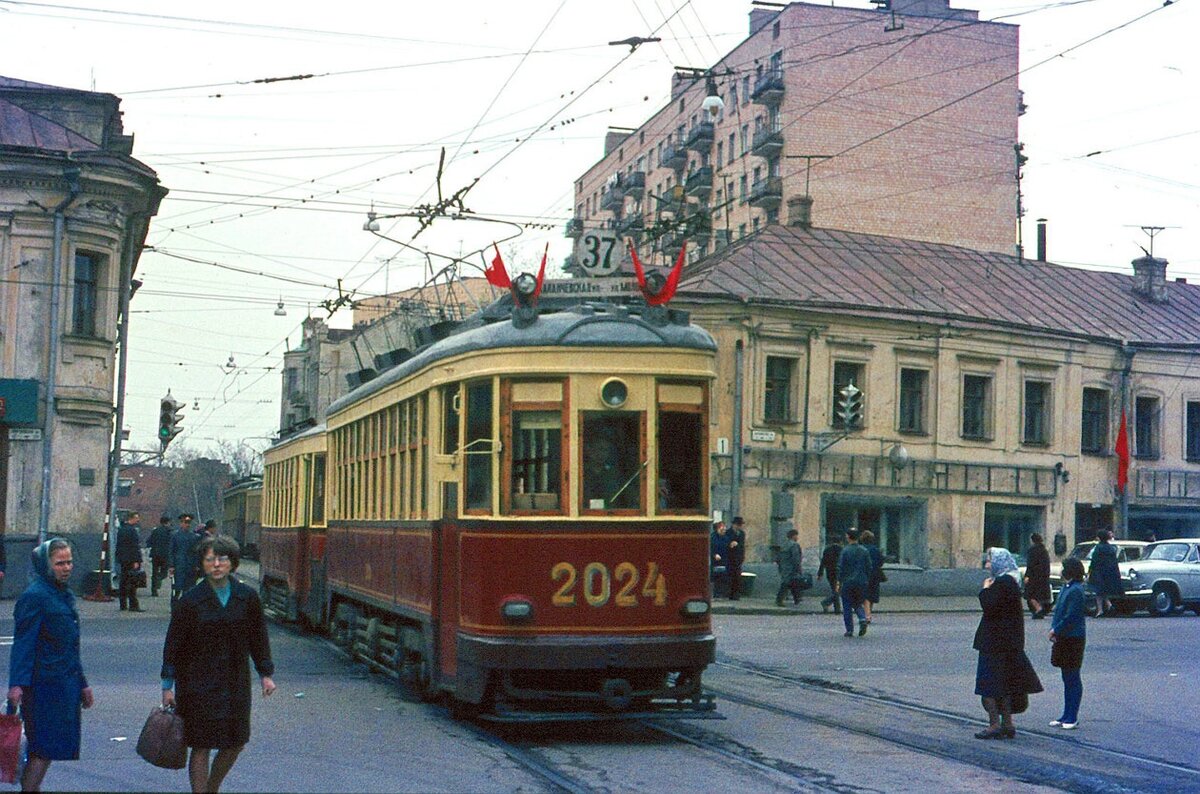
(161, 742)
(10, 745)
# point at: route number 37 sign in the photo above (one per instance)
(601, 252)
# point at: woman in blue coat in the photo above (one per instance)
(1103, 574)
(45, 674)
(1068, 632)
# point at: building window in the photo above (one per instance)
(1037, 412)
(1192, 449)
(775, 30)
(914, 386)
(720, 153)
(720, 205)
(1145, 427)
(777, 402)
(773, 216)
(733, 94)
(742, 188)
(1093, 434)
(745, 89)
(976, 406)
(87, 281)
(741, 230)
(844, 374)
(745, 138)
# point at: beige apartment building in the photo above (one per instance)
(75, 206)
(992, 389)
(899, 121)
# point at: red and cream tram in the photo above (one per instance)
(516, 516)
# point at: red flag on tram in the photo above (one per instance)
(668, 290)
(541, 272)
(1122, 450)
(497, 276)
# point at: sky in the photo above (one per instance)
(271, 180)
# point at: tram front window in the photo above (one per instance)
(537, 460)
(613, 469)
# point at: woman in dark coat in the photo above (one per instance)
(45, 673)
(1037, 577)
(1004, 676)
(1068, 632)
(1103, 575)
(216, 628)
(867, 540)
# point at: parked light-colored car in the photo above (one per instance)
(1165, 578)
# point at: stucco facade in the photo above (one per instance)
(74, 210)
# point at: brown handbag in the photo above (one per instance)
(161, 742)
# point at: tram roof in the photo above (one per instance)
(585, 324)
(315, 431)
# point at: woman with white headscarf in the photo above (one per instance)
(1004, 678)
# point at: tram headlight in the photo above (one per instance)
(516, 610)
(695, 607)
(614, 393)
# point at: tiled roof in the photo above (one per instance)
(878, 275)
(19, 127)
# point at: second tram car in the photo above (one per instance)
(517, 516)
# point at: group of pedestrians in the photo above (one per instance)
(216, 628)
(727, 547)
(173, 554)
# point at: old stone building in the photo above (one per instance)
(899, 121)
(74, 210)
(992, 389)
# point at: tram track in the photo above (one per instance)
(1067, 763)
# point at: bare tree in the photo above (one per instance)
(243, 459)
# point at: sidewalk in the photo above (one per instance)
(810, 604)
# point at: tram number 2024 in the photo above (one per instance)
(623, 585)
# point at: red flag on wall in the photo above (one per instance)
(1122, 455)
(497, 276)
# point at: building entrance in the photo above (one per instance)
(898, 526)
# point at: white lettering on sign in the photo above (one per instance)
(762, 435)
(25, 434)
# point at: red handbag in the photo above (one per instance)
(11, 732)
(161, 742)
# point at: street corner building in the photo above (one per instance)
(75, 206)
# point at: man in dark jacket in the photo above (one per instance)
(854, 572)
(159, 546)
(718, 554)
(1037, 577)
(737, 557)
(184, 565)
(129, 558)
(790, 559)
(828, 569)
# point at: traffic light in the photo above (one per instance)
(170, 414)
(850, 407)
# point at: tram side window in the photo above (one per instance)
(477, 451)
(537, 460)
(317, 508)
(680, 460)
(450, 406)
(612, 465)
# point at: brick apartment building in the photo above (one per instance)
(914, 104)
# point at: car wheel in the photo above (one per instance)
(1162, 601)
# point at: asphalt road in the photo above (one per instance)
(806, 710)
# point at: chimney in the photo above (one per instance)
(800, 211)
(614, 138)
(1150, 278)
(1041, 239)
(759, 17)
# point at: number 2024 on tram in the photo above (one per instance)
(516, 516)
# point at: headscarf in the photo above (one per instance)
(1002, 563)
(40, 558)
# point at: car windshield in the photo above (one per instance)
(1171, 552)
(1083, 551)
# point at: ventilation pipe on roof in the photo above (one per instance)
(800, 211)
(1041, 239)
(1150, 278)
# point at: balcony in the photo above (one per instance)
(673, 157)
(700, 137)
(634, 184)
(768, 88)
(632, 226)
(767, 193)
(699, 182)
(768, 141)
(575, 228)
(613, 198)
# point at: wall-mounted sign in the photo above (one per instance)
(25, 434)
(762, 435)
(18, 401)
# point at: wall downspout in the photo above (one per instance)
(71, 174)
(739, 356)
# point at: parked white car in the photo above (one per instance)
(1164, 580)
